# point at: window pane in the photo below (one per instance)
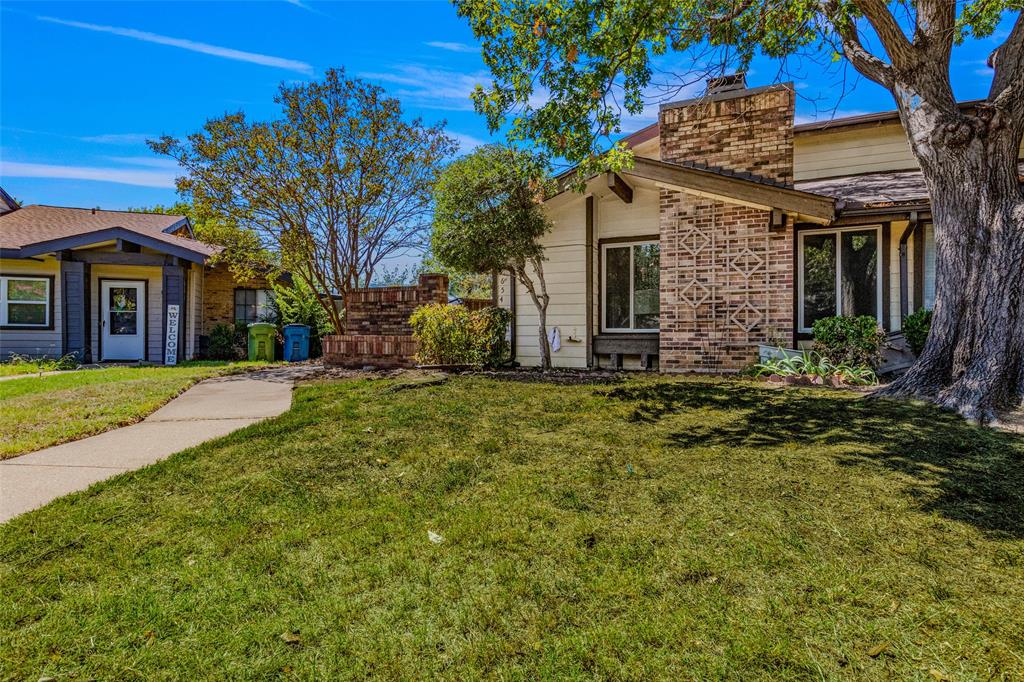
(859, 292)
(645, 286)
(616, 292)
(123, 323)
(123, 299)
(819, 277)
(26, 290)
(26, 313)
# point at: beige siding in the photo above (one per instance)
(154, 304)
(34, 342)
(848, 151)
(895, 232)
(929, 265)
(565, 274)
(565, 271)
(651, 149)
(851, 151)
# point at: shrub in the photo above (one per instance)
(849, 340)
(452, 335)
(916, 328)
(813, 365)
(223, 344)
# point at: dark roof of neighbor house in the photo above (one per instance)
(37, 229)
(7, 202)
(875, 190)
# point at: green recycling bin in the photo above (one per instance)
(261, 341)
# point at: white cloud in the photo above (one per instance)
(452, 47)
(431, 87)
(163, 178)
(467, 143)
(149, 161)
(119, 138)
(191, 45)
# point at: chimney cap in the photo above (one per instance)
(728, 83)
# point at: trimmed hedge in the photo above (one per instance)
(849, 340)
(453, 335)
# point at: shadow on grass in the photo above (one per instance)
(967, 473)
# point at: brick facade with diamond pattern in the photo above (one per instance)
(726, 278)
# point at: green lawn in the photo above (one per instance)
(658, 528)
(36, 412)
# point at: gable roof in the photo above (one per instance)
(7, 202)
(37, 229)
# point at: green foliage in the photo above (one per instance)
(811, 364)
(298, 304)
(916, 328)
(452, 335)
(244, 252)
(487, 215)
(461, 284)
(596, 63)
(23, 364)
(223, 343)
(337, 183)
(851, 340)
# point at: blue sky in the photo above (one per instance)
(85, 83)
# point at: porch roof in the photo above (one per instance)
(887, 189)
(37, 229)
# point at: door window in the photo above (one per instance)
(124, 311)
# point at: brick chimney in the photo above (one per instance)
(748, 130)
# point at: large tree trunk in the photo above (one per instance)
(973, 361)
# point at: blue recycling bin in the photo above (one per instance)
(296, 342)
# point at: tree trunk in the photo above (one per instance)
(540, 301)
(973, 361)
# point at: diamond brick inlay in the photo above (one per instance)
(746, 262)
(694, 293)
(746, 317)
(694, 241)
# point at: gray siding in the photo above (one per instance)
(74, 284)
(34, 342)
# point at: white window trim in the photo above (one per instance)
(802, 328)
(604, 285)
(3, 302)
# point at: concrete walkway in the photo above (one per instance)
(209, 409)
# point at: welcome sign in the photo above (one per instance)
(171, 338)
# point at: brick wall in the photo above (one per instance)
(386, 310)
(342, 350)
(219, 286)
(377, 324)
(748, 131)
(726, 279)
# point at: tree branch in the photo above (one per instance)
(1007, 90)
(866, 63)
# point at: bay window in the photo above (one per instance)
(839, 273)
(25, 301)
(630, 284)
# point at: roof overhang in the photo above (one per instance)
(91, 238)
(803, 206)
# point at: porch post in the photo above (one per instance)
(74, 294)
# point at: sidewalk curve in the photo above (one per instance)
(210, 409)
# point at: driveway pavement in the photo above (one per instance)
(209, 409)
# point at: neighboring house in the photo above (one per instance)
(104, 284)
(735, 227)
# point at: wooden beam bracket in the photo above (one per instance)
(619, 187)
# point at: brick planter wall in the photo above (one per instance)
(376, 349)
(377, 324)
(726, 278)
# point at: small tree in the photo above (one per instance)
(336, 185)
(488, 217)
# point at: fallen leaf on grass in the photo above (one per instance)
(434, 537)
(876, 650)
(938, 675)
(292, 637)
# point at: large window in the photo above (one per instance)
(24, 301)
(252, 305)
(840, 273)
(630, 277)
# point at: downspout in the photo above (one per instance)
(904, 268)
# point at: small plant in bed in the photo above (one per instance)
(816, 369)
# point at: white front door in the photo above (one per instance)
(123, 323)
